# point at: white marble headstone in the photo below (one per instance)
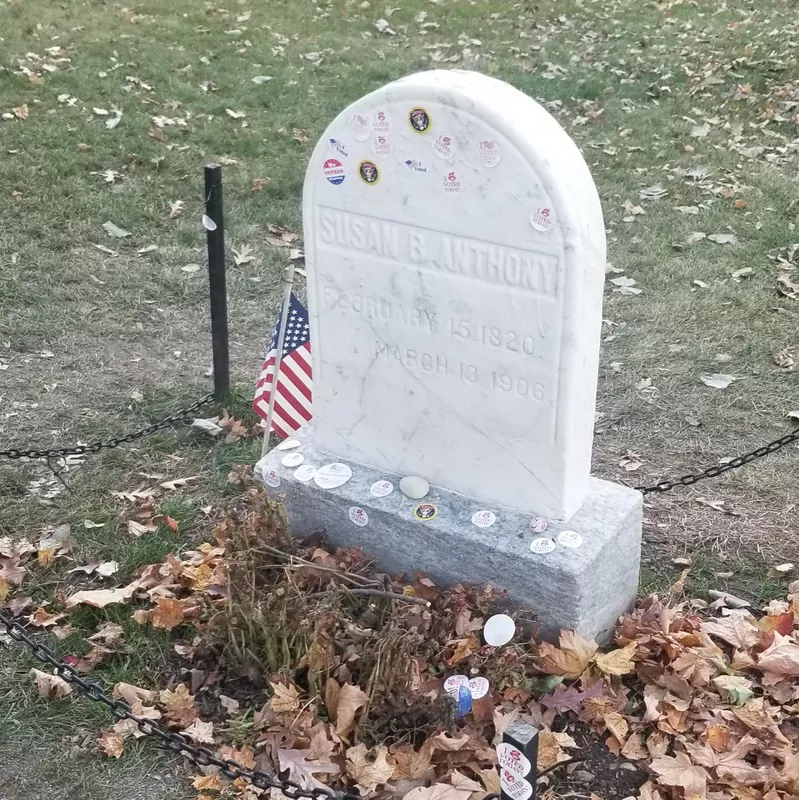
(455, 250)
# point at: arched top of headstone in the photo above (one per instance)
(455, 250)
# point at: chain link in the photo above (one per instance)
(168, 740)
(720, 469)
(95, 447)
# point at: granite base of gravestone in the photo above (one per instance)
(583, 577)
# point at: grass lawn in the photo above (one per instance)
(687, 113)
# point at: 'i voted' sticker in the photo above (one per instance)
(515, 788)
(381, 488)
(358, 517)
(488, 153)
(452, 684)
(332, 476)
(478, 687)
(443, 147)
(334, 171)
(304, 473)
(381, 146)
(570, 539)
(381, 122)
(271, 478)
(359, 126)
(542, 545)
(484, 519)
(512, 759)
(288, 444)
(292, 460)
(541, 219)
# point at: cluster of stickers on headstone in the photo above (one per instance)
(546, 544)
(375, 129)
(463, 691)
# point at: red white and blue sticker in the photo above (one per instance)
(334, 171)
(337, 146)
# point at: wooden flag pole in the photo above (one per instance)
(279, 355)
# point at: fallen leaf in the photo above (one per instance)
(723, 238)
(235, 114)
(437, 791)
(618, 662)
(167, 614)
(115, 231)
(111, 743)
(737, 631)
(571, 660)
(178, 483)
(201, 732)
(549, 750)
(100, 598)
(734, 689)
(781, 659)
(259, 183)
(175, 208)
(718, 380)
(286, 698)
(370, 770)
(350, 699)
(242, 256)
(50, 685)
(302, 771)
(679, 771)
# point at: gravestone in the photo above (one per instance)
(455, 254)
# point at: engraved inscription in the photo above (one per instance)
(443, 366)
(526, 270)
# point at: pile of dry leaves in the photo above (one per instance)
(305, 662)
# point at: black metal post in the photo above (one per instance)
(517, 758)
(215, 234)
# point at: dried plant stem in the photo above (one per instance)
(351, 576)
(375, 593)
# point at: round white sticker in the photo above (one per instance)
(453, 683)
(516, 788)
(542, 545)
(271, 478)
(443, 147)
(512, 759)
(484, 519)
(381, 146)
(499, 630)
(478, 687)
(488, 153)
(292, 460)
(570, 538)
(288, 444)
(381, 122)
(358, 517)
(538, 524)
(541, 219)
(381, 488)
(332, 475)
(305, 473)
(360, 127)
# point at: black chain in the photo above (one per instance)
(176, 742)
(720, 469)
(95, 447)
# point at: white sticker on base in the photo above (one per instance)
(292, 460)
(443, 147)
(381, 488)
(488, 153)
(484, 519)
(512, 759)
(305, 473)
(453, 683)
(570, 539)
(452, 184)
(381, 146)
(541, 219)
(271, 478)
(288, 444)
(381, 123)
(478, 687)
(515, 788)
(360, 127)
(332, 475)
(542, 545)
(358, 516)
(538, 524)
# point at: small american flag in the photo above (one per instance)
(293, 394)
